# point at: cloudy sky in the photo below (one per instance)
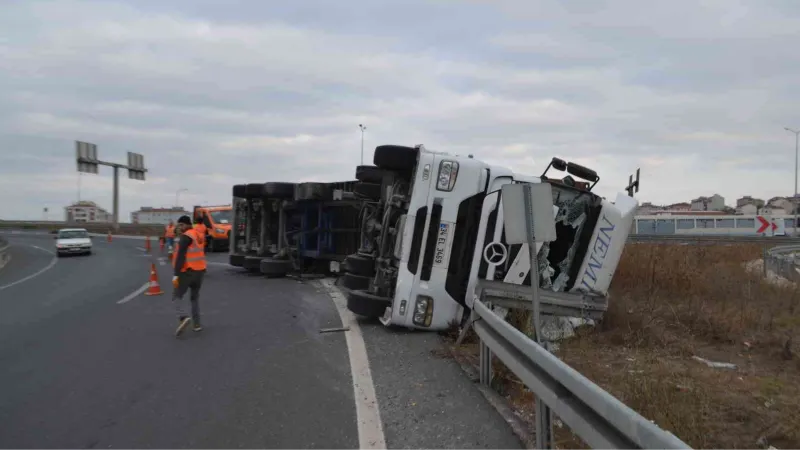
(215, 93)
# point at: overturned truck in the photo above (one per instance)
(293, 227)
(436, 226)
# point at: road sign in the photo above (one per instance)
(86, 156)
(766, 225)
(136, 168)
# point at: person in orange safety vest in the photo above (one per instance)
(169, 236)
(189, 265)
(202, 230)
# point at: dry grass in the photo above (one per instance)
(672, 302)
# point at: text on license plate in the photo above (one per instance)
(440, 254)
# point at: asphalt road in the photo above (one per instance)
(79, 369)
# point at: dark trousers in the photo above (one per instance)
(189, 280)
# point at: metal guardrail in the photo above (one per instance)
(124, 228)
(5, 255)
(596, 416)
(782, 260)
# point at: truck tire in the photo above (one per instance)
(368, 190)
(239, 190)
(252, 263)
(312, 191)
(355, 282)
(361, 265)
(369, 174)
(253, 190)
(236, 260)
(395, 157)
(275, 268)
(278, 190)
(365, 304)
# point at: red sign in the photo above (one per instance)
(765, 224)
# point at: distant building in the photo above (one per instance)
(648, 209)
(714, 203)
(748, 200)
(683, 206)
(774, 211)
(86, 212)
(747, 209)
(150, 215)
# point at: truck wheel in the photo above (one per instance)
(365, 304)
(239, 190)
(395, 157)
(369, 174)
(252, 263)
(361, 265)
(312, 191)
(253, 190)
(368, 190)
(355, 282)
(236, 260)
(275, 267)
(278, 190)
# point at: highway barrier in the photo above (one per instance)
(5, 255)
(596, 416)
(712, 239)
(124, 228)
(781, 260)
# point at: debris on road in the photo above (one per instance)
(331, 330)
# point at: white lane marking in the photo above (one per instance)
(368, 416)
(134, 294)
(45, 269)
(141, 248)
(214, 263)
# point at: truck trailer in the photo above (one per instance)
(305, 227)
(425, 240)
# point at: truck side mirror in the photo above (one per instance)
(582, 172)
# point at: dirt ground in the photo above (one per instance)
(675, 311)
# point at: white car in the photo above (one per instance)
(73, 241)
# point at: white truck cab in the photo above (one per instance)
(425, 238)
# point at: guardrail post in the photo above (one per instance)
(764, 260)
(486, 364)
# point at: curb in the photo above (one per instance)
(518, 426)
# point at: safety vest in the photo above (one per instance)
(195, 256)
(170, 231)
(201, 233)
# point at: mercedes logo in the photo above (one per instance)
(495, 253)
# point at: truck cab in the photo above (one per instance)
(423, 242)
(218, 220)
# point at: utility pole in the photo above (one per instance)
(794, 199)
(363, 128)
(177, 195)
(88, 163)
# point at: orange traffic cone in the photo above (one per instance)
(109, 236)
(155, 288)
(147, 244)
(161, 244)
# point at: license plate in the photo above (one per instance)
(442, 250)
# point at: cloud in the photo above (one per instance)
(216, 93)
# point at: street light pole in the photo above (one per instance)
(363, 128)
(177, 195)
(794, 199)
